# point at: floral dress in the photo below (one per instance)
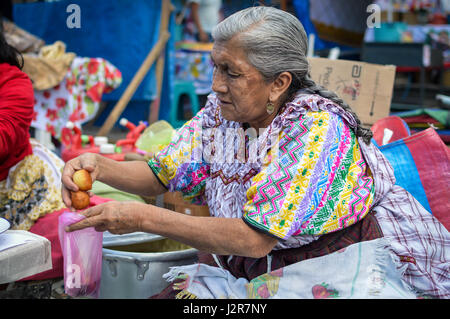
(77, 97)
(32, 188)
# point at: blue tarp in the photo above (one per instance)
(405, 170)
(120, 31)
(421, 166)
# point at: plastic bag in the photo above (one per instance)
(155, 137)
(389, 129)
(421, 164)
(82, 253)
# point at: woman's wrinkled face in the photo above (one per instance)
(242, 92)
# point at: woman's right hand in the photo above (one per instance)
(88, 161)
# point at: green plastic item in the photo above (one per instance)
(155, 137)
(84, 138)
(443, 116)
(106, 191)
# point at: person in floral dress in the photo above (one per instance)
(77, 98)
(30, 174)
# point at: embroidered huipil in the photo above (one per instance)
(309, 178)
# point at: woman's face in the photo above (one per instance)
(240, 88)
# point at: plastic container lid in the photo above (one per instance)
(123, 121)
(156, 135)
(85, 138)
(107, 148)
(99, 140)
(128, 239)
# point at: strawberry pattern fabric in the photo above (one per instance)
(77, 97)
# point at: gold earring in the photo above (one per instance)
(270, 107)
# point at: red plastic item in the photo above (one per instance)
(438, 18)
(394, 123)
(432, 159)
(128, 144)
(72, 141)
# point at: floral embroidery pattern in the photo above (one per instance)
(32, 188)
(323, 292)
(264, 286)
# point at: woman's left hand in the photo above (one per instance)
(115, 217)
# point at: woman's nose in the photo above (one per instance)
(218, 84)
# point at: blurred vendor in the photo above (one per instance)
(205, 15)
(30, 174)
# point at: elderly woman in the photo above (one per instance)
(287, 171)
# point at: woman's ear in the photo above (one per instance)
(280, 86)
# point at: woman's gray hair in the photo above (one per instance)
(275, 42)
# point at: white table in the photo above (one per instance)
(30, 258)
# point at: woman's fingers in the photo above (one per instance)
(85, 223)
(92, 218)
(67, 174)
(67, 184)
(86, 161)
(101, 228)
(93, 211)
(89, 163)
(65, 194)
(108, 216)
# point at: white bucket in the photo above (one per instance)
(130, 272)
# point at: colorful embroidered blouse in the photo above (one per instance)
(310, 178)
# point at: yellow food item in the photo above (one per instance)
(80, 199)
(83, 179)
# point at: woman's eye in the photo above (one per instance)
(233, 75)
(225, 70)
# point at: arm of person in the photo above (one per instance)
(196, 18)
(16, 112)
(129, 176)
(222, 236)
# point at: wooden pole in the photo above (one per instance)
(167, 8)
(134, 84)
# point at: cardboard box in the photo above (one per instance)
(446, 78)
(171, 200)
(366, 87)
(175, 202)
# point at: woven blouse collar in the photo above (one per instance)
(292, 110)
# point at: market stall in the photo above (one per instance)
(127, 58)
(414, 36)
